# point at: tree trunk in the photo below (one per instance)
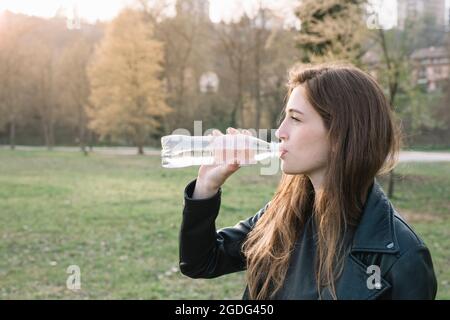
(82, 130)
(258, 53)
(233, 117)
(391, 184)
(51, 136)
(238, 107)
(46, 135)
(140, 149)
(82, 141)
(393, 81)
(257, 87)
(180, 96)
(91, 140)
(12, 133)
(140, 139)
(47, 129)
(240, 104)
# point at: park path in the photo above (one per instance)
(405, 156)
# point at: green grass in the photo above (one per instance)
(434, 148)
(118, 217)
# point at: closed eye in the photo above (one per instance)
(295, 119)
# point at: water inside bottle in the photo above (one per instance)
(188, 158)
(182, 151)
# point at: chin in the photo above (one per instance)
(291, 171)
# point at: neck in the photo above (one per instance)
(317, 181)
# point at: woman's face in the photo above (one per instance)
(303, 136)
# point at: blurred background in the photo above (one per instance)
(87, 87)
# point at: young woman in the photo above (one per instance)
(329, 232)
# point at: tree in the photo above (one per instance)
(261, 35)
(249, 46)
(394, 71)
(126, 88)
(331, 30)
(42, 87)
(76, 89)
(187, 55)
(12, 71)
(233, 44)
(244, 52)
(44, 46)
(274, 51)
(281, 54)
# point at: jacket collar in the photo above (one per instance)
(375, 232)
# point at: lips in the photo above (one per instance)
(282, 152)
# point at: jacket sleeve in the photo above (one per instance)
(413, 276)
(205, 252)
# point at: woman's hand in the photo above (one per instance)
(212, 177)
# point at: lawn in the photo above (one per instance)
(117, 218)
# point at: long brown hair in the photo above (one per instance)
(364, 141)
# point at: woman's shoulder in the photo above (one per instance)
(411, 274)
(382, 225)
(407, 237)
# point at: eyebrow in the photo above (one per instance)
(295, 110)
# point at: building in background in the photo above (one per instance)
(448, 19)
(416, 8)
(431, 66)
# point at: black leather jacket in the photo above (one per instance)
(382, 239)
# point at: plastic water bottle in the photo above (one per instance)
(183, 150)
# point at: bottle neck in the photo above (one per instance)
(275, 149)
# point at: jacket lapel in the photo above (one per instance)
(374, 234)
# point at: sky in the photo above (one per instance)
(219, 9)
(87, 9)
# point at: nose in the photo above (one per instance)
(280, 133)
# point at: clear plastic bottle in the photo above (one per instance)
(183, 150)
